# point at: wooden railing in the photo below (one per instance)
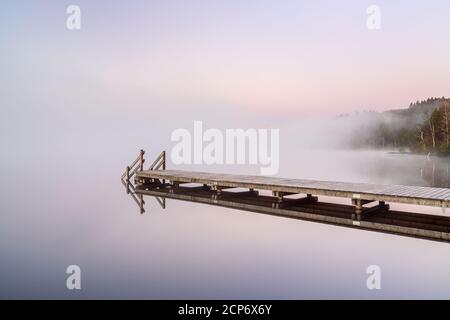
(160, 162)
(137, 165)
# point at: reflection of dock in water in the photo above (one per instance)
(225, 190)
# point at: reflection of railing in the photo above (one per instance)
(161, 201)
(138, 165)
(130, 171)
(138, 198)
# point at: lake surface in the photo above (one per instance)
(77, 212)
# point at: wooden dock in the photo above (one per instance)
(218, 187)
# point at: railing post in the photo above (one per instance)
(358, 209)
(164, 160)
(164, 166)
(142, 160)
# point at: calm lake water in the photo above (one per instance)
(77, 212)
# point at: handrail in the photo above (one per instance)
(160, 161)
(131, 170)
(137, 165)
(132, 165)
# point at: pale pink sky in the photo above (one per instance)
(288, 58)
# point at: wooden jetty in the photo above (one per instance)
(217, 189)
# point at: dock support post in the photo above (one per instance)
(173, 185)
(217, 189)
(358, 209)
(216, 192)
(279, 195)
(361, 212)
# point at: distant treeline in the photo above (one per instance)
(423, 127)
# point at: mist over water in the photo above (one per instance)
(66, 205)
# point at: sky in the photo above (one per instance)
(280, 58)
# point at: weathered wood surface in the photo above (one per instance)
(391, 193)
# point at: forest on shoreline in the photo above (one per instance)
(423, 127)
